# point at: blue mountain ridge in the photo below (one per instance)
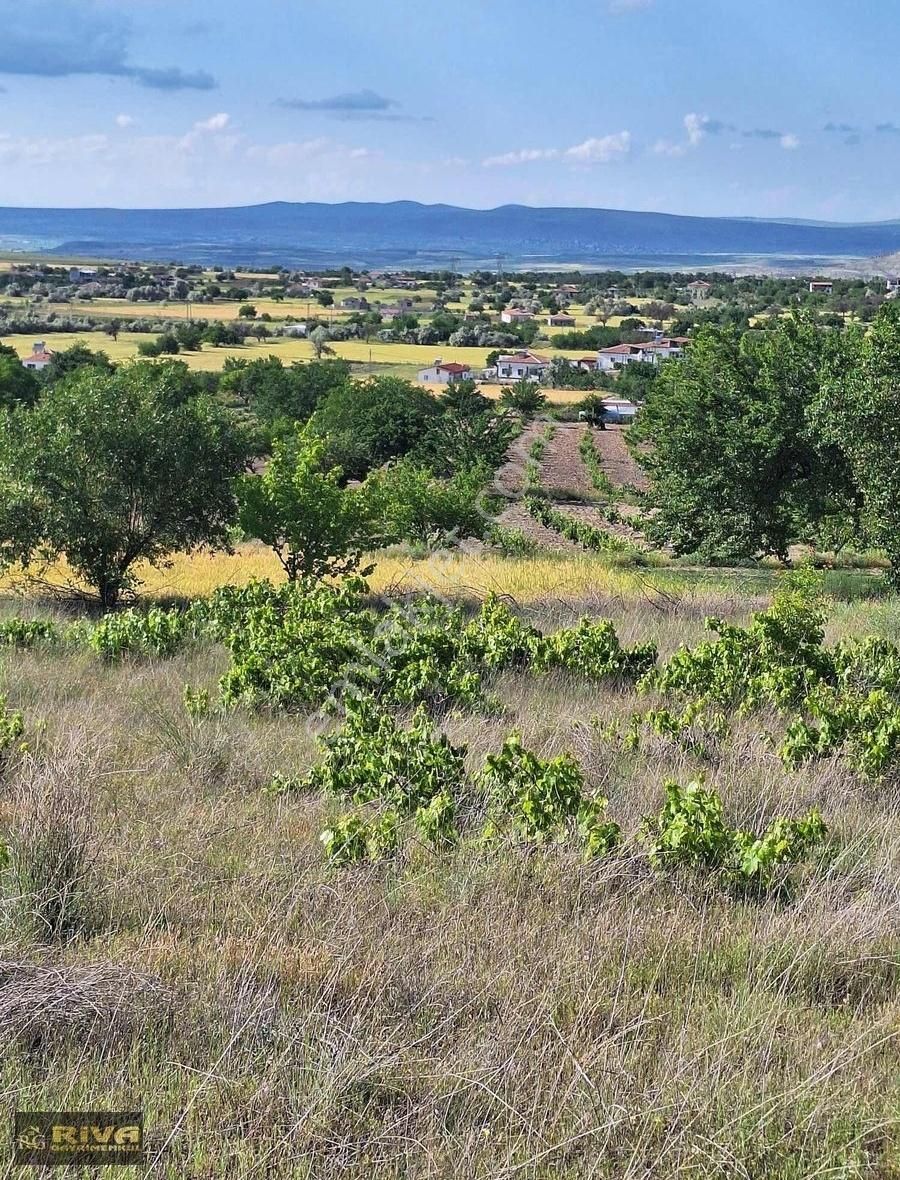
(406, 233)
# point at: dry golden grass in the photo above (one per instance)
(477, 1013)
(288, 350)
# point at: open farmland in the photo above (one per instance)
(488, 1008)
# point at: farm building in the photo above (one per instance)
(821, 287)
(446, 373)
(561, 320)
(516, 365)
(39, 358)
(515, 315)
(619, 410)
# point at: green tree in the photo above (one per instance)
(366, 423)
(70, 360)
(736, 469)
(525, 397)
(857, 413)
(111, 469)
(18, 385)
(298, 508)
(247, 311)
(408, 502)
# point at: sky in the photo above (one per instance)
(776, 108)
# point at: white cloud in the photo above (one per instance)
(601, 151)
(523, 156)
(597, 150)
(214, 123)
(125, 120)
(695, 126)
(789, 141)
(665, 147)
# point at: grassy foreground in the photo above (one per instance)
(476, 1013)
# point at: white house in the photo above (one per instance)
(664, 349)
(515, 315)
(618, 355)
(446, 373)
(516, 365)
(821, 287)
(40, 357)
(699, 290)
(82, 274)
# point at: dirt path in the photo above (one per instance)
(617, 460)
(564, 475)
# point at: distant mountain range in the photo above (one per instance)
(405, 234)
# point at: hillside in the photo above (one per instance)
(409, 234)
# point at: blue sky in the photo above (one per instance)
(786, 108)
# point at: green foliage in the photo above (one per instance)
(373, 759)
(407, 502)
(525, 397)
(155, 633)
(857, 413)
(110, 469)
(12, 728)
(352, 838)
(367, 423)
(18, 385)
(27, 632)
(591, 460)
(691, 831)
(579, 531)
(775, 660)
(196, 702)
(542, 799)
(316, 527)
(736, 468)
(592, 649)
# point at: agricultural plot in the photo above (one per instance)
(509, 885)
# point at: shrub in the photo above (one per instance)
(542, 799)
(691, 831)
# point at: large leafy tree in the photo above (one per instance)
(298, 508)
(18, 385)
(736, 467)
(111, 469)
(366, 423)
(857, 412)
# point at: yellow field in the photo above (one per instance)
(288, 350)
(469, 576)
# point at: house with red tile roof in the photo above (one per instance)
(445, 373)
(39, 357)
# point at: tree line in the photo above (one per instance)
(113, 466)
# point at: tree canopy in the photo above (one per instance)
(110, 469)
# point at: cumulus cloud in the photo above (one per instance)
(125, 121)
(698, 127)
(214, 123)
(600, 151)
(63, 39)
(597, 150)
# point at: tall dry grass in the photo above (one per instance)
(471, 1014)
